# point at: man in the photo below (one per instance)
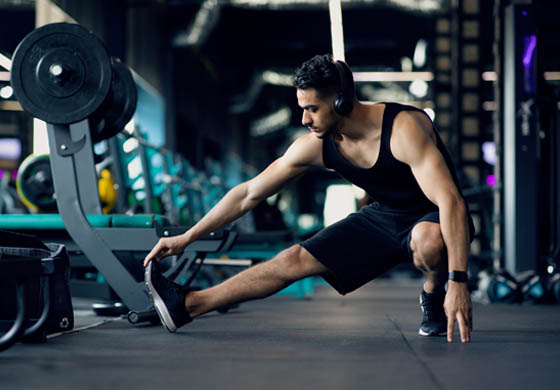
(419, 214)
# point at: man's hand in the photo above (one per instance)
(166, 247)
(458, 307)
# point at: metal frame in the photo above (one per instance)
(75, 184)
(521, 145)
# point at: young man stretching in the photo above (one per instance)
(418, 214)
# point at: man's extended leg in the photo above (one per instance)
(260, 281)
(428, 250)
(176, 309)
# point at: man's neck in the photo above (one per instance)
(364, 119)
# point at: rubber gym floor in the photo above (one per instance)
(365, 340)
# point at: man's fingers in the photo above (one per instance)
(464, 328)
(153, 254)
(450, 325)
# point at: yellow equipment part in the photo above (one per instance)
(107, 191)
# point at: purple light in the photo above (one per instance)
(10, 148)
(528, 55)
(524, 13)
(491, 180)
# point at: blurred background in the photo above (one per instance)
(215, 92)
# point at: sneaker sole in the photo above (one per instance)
(425, 334)
(159, 305)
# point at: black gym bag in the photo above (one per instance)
(34, 294)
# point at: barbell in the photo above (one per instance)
(62, 74)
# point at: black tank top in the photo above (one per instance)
(389, 182)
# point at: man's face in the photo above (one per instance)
(318, 115)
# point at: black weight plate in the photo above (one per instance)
(35, 185)
(119, 105)
(61, 73)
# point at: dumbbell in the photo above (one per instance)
(535, 288)
(555, 287)
(503, 288)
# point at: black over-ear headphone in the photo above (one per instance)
(344, 102)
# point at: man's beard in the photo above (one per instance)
(330, 130)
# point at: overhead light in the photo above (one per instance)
(489, 76)
(276, 78)
(203, 23)
(392, 76)
(5, 62)
(272, 122)
(407, 5)
(489, 106)
(489, 154)
(6, 92)
(406, 64)
(419, 58)
(418, 88)
(552, 76)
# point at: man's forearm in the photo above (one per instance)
(455, 233)
(232, 206)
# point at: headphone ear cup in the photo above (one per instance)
(341, 106)
(336, 104)
(344, 102)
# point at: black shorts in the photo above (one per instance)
(366, 244)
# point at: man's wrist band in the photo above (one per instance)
(458, 276)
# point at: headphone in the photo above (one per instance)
(344, 102)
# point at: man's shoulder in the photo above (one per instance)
(409, 123)
(306, 149)
(412, 131)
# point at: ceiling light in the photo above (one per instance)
(6, 92)
(419, 58)
(392, 76)
(418, 88)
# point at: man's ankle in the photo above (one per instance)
(189, 306)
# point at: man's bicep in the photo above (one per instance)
(415, 145)
(433, 175)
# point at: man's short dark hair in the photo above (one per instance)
(319, 73)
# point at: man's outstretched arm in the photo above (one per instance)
(415, 146)
(300, 156)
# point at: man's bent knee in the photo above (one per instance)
(427, 245)
(296, 263)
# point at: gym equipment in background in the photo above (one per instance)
(34, 287)
(34, 184)
(62, 74)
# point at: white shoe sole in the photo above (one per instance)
(422, 333)
(161, 309)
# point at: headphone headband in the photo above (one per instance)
(344, 102)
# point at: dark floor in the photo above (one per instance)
(366, 340)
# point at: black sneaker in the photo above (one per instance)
(168, 298)
(434, 320)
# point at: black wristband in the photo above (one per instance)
(458, 276)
